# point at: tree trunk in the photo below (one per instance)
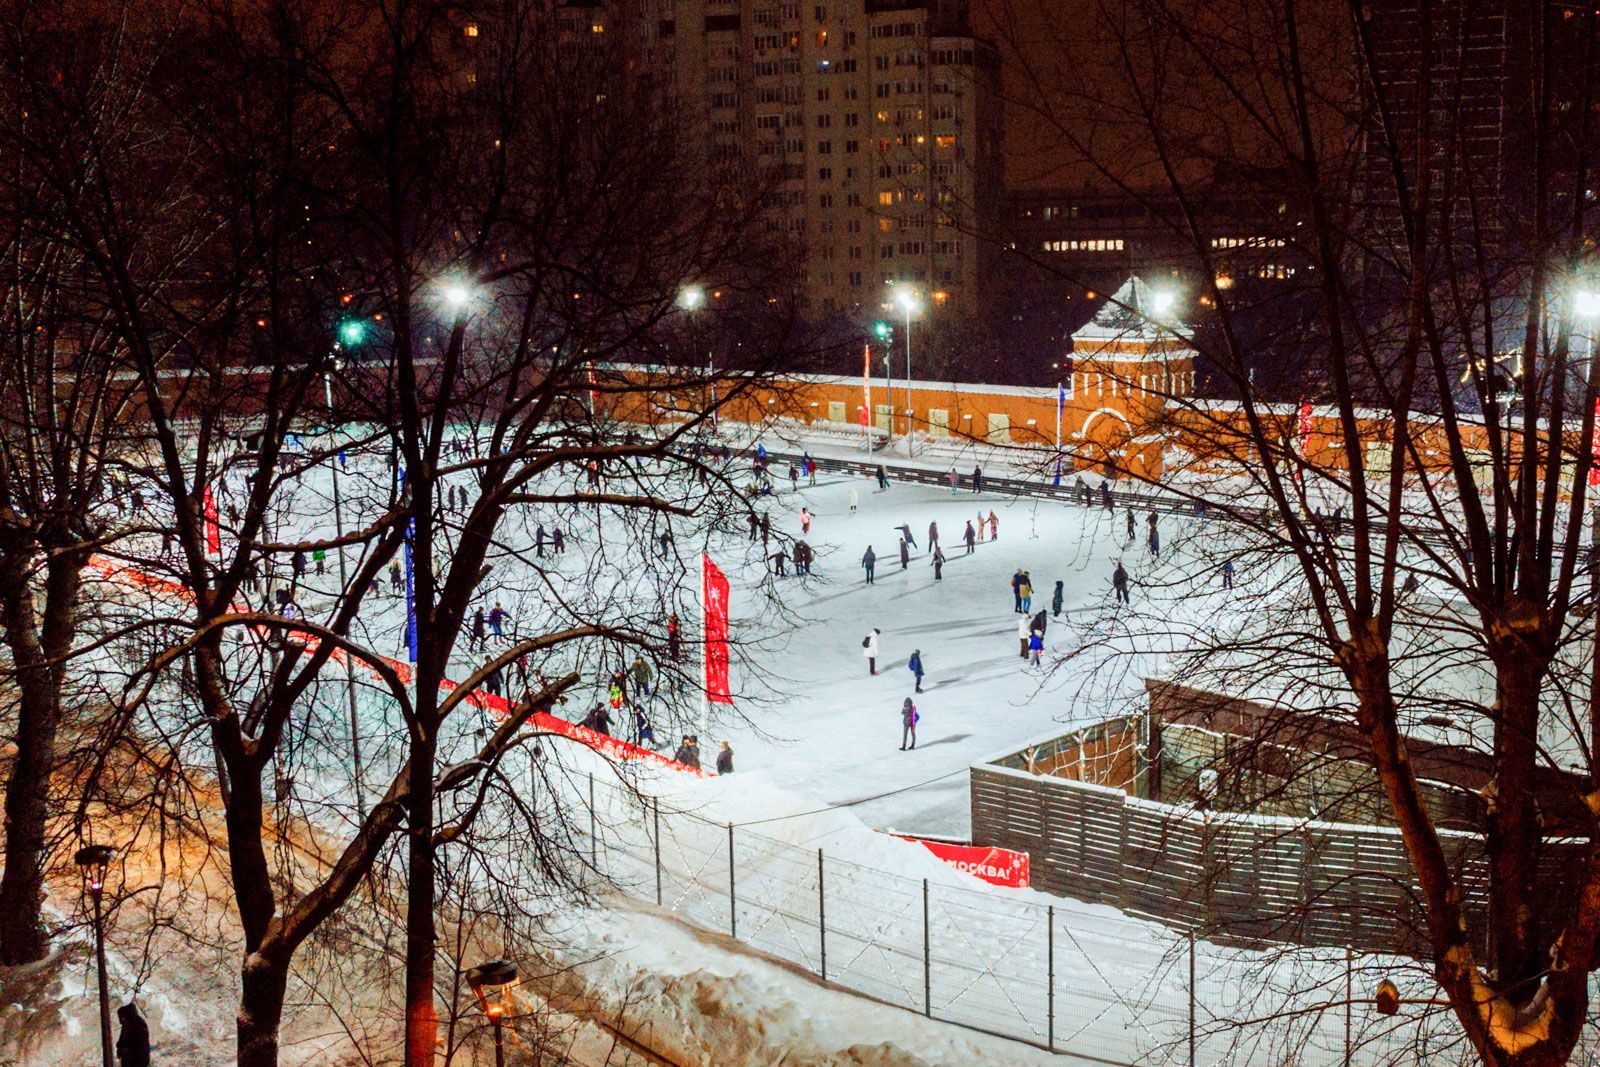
(263, 982)
(1512, 837)
(422, 1019)
(38, 673)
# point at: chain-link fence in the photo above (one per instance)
(1056, 973)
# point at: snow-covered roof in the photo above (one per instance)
(1132, 314)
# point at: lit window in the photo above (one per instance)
(597, 27)
(886, 197)
(945, 140)
(885, 225)
(471, 29)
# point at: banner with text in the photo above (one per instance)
(714, 599)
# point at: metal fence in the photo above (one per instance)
(1062, 975)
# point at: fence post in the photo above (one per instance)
(1050, 971)
(593, 851)
(656, 804)
(1192, 1061)
(927, 956)
(1349, 994)
(822, 919)
(733, 905)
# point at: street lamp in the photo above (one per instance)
(457, 295)
(490, 981)
(906, 297)
(692, 298)
(1162, 303)
(93, 861)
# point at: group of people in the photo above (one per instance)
(909, 716)
(936, 557)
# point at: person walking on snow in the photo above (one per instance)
(1119, 582)
(688, 753)
(954, 480)
(1227, 574)
(497, 619)
(725, 759)
(755, 526)
(869, 561)
(1023, 633)
(869, 645)
(641, 676)
(914, 665)
(883, 479)
(674, 639)
(538, 542)
(805, 521)
(477, 627)
(1130, 526)
(1105, 495)
(905, 532)
(905, 554)
(854, 500)
(938, 564)
(1056, 598)
(1036, 646)
(994, 526)
(556, 542)
(1016, 591)
(981, 525)
(977, 479)
(811, 468)
(766, 530)
(133, 1037)
(794, 479)
(1155, 542)
(969, 537)
(933, 536)
(1025, 593)
(908, 724)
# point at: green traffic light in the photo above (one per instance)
(883, 330)
(352, 332)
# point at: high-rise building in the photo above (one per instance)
(871, 127)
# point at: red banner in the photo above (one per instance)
(213, 528)
(866, 385)
(1305, 425)
(714, 602)
(1594, 446)
(997, 866)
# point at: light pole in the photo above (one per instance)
(490, 981)
(692, 298)
(93, 861)
(350, 334)
(906, 297)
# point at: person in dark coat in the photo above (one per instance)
(599, 720)
(933, 536)
(905, 532)
(1227, 574)
(688, 753)
(674, 639)
(1056, 598)
(643, 733)
(1119, 582)
(1130, 525)
(133, 1038)
(977, 479)
(1040, 623)
(777, 559)
(477, 627)
(869, 560)
(1105, 495)
(905, 554)
(914, 665)
(938, 564)
(1016, 591)
(969, 537)
(556, 542)
(908, 724)
(538, 542)
(883, 478)
(725, 759)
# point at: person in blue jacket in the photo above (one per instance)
(915, 666)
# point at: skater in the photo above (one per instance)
(905, 532)
(938, 564)
(883, 479)
(492, 682)
(933, 536)
(1408, 588)
(802, 559)
(777, 559)
(1227, 574)
(1041, 621)
(1105, 495)
(599, 720)
(869, 561)
(755, 526)
(1025, 593)
(497, 619)
(1016, 590)
(811, 468)
(969, 537)
(1155, 542)
(794, 478)
(854, 500)
(133, 1037)
(914, 665)
(320, 558)
(1119, 582)
(908, 724)
(805, 521)
(556, 542)
(1024, 632)
(954, 479)
(869, 645)
(641, 676)
(1036, 646)
(977, 479)
(725, 759)
(644, 734)
(674, 640)
(1056, 598)
(981, 525)
(688, 753)
(666, 541)
(994, 526)
(299, 565)
(905, 554)
(1130, 526)
(477, 628)
(1084, 495)
(766, 530)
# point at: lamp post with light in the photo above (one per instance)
(93, 861)
(490, 981)
(692, 298)
(351, 333)
(906, 297)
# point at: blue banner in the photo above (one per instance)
(411, 580)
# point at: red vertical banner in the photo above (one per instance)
(714, 601)
(1305, 425)
(1594, 446)
(208, 501)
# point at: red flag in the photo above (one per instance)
(213, 528)
(714, 601)
(1305, 425)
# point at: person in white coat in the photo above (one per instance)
(1023, 635)
(869, 648)
(855, 498)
